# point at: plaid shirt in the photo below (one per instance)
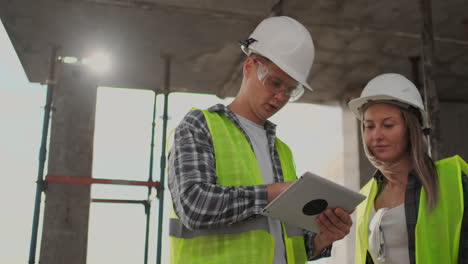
(198, 200)
(412, 194)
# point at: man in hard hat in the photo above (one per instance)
(226, 163)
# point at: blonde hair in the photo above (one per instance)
(423, 164)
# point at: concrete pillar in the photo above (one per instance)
(351, 169)
(344, 250)
(66, 214)
(346, 171)
(366, 169)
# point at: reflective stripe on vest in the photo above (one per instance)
(247, 241)
(177, 229)
(443, 223)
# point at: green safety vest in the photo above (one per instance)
(437, 234)
(248, 241)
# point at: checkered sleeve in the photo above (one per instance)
(198, 200)
(309, 238)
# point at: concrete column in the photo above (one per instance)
(366, 169)
(66, 214)
(344, 250)
(346, 170)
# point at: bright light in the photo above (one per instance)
(70, 59)
(99, 62)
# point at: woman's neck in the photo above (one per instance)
(396, 173)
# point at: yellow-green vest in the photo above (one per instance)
(248, 241)
(437, 234)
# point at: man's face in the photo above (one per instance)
(269, 88)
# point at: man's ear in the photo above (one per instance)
(249, 67)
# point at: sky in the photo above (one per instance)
(121, 151)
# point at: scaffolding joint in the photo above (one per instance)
(43, 185)
(159, 192)
(147, 205)
(51, 108)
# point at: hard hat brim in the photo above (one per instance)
(356, 105)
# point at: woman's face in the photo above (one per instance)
(385, 132)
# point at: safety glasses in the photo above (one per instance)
(377, 237)
(276, 84)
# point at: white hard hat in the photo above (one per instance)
(287, 43)
(391, 88)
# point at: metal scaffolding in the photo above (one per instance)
(41, 184)
(42, 154)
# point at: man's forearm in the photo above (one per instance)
(215, 206)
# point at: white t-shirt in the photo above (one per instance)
(258, 137)
(388, 236)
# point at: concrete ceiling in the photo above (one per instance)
(355, 40)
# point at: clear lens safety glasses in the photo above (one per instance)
(276, 84)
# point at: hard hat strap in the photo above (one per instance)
(246, 43)
(427, 131)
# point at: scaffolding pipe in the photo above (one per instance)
(150, 179)
(167, 77)
(87, 180)
(144, 202)
(430, 92)
(415, 71)
(417, 81)
(42, 154)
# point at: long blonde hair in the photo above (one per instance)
(417, 150)
(423, 164)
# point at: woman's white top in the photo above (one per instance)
(388, 236)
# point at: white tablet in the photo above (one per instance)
(306, 198)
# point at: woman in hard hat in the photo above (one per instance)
(415, 211)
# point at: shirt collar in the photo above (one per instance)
(269, 126)
(412, 178)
